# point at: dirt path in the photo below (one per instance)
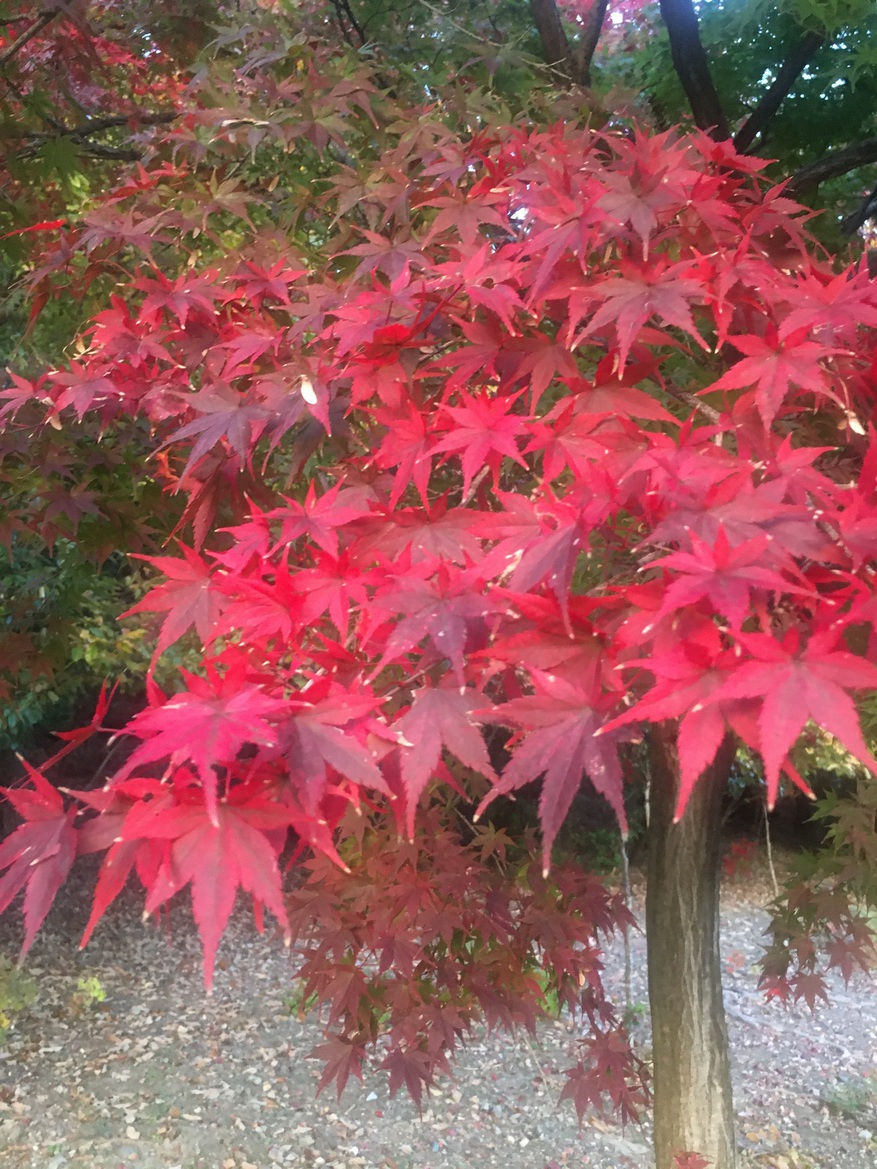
(159, 1077)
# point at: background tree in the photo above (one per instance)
(81, 91)
(478, 418)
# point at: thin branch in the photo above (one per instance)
(116, 153)
(766, 110)
(628, 905)
(81, 134)
(692, 67)
(590, 36)
(97, 125)
(38, 25)
(769, 843)
(832, 166)
(704, 408)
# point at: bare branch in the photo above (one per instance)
(590, 36)
(839, 162)
(692, 67)
(97, 125)
(704, 408)
(766, 110)
(38, 25)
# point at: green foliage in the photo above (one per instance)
(60, 612)
(831, 104)
(17, 991)
(853, 1097)
(89, 992)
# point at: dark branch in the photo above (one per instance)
(555, 45)
(38, 25)
(832, 166)
(867, 210)
(98, 125)
(345, 16)
(590, 37)
(766, 110)
(692, 67)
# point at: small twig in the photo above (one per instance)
(770, 865)
(703, 408)
(538, 1062)
(474, 485)
(344, 6)
(473, 36)
(628, 900)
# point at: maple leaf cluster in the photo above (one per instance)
(821, 922)
(426, 937)
(571, 433)
(80, 84)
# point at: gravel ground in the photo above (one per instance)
(158, 1076)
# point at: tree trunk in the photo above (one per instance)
(692, 1084)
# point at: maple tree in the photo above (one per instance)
(462, 422)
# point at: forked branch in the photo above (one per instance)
(18, 44)
(556, 48)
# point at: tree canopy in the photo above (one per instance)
(480, 417)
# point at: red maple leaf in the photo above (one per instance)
(189, 598)
(341, 1058)
(206, 724)
(438, 532)
(405, 446)
(439, 717)
(38, 855)
(772, 366)
(87, 387)
(225, 415)
(689, 672)
(447, 610)
(665, 290)
(484, 432)
(328, 733)
(319, 517)
(330, 587)
(270, 610)
(725, 576)
(218, 851)
(558, 742)
(177, 297)
(795, 685)
(104, 831)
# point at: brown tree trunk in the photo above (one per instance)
(692, 1083)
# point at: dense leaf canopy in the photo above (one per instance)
(456, 400)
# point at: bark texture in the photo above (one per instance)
(555, 46)
(692, 67)
(692, 1083)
